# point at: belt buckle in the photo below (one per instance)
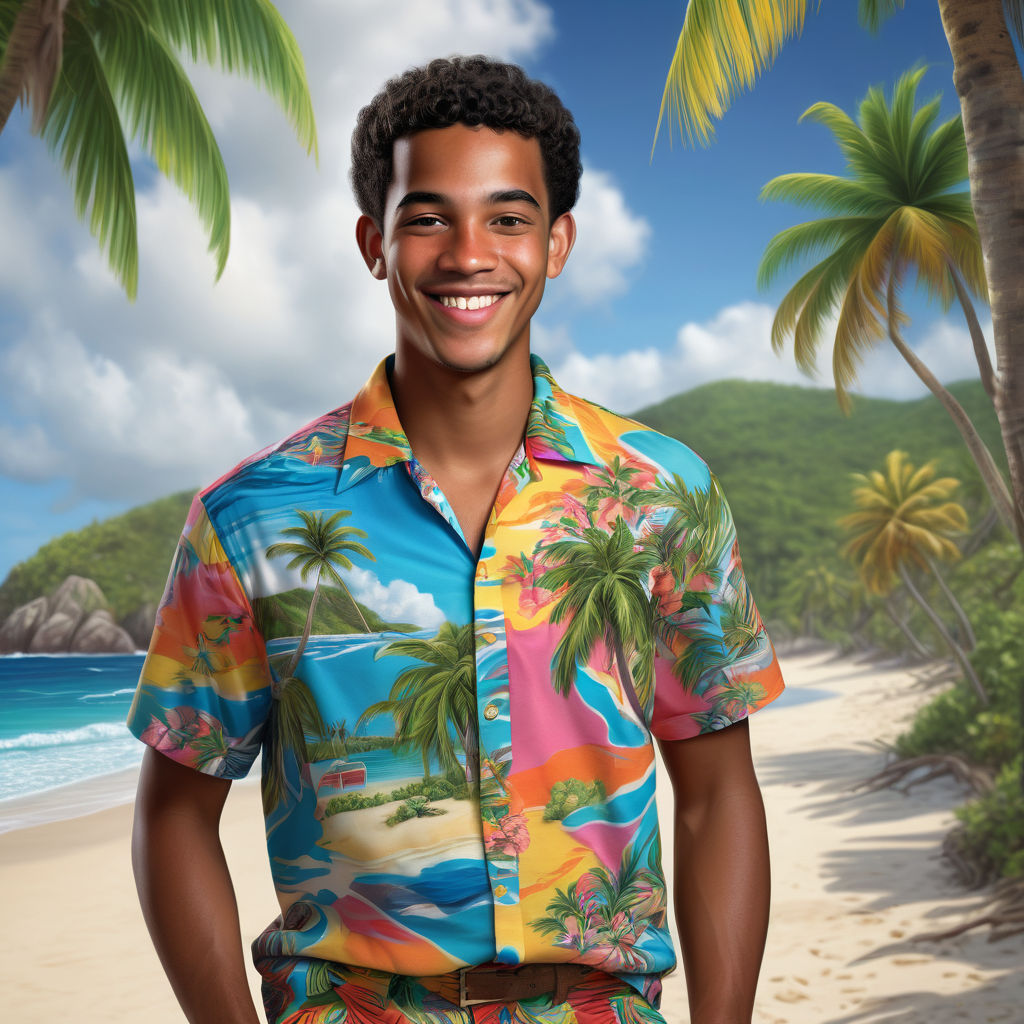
(464, 999)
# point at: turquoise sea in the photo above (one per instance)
(62, 719)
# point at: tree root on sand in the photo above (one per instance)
(1004, 913)
(979, 779)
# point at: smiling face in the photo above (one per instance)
(466, 245)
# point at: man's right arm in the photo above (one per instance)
(186, 893)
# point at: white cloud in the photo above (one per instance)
(611, 241)
(130, 401)
(736, 344)
(399, 601)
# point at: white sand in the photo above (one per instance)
(854, 877)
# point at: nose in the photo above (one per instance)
(469, 249)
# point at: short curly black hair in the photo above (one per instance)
(472, 91)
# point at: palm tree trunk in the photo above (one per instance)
(366, 625)
(307, 629)
(32, 58)
(987, 467)
(625, 676)
(981, 532)
(988, 81)
(988, 377)
(965, 623)
(957, 650)
(916, 644)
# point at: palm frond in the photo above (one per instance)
(721, 50)
(164, 114)
(246, 36)
(83, 126)
(872, 13)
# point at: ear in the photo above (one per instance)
(371, 244)
(561, 239)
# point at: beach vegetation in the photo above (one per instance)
(98, 75)
(414, 807)
(992, 832)
(429, 788)
(568, 795)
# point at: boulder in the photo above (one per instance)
(139, 625)
(100, 634)
(77, 595)
(54, 635)
(21, 625)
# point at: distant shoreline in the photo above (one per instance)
(81, 798)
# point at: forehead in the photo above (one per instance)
(464, 163)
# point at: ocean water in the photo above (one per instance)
(62, 719)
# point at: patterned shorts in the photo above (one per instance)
(299, 991)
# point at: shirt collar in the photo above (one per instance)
(554, 431)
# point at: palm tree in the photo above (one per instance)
(725, 44)
(903, 519)
(894, 212)
(816, 593)
(84, 65)
(321, 546)
(428, 700)
(605, 598)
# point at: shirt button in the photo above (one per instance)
(491, 712)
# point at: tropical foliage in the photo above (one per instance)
(903, 520)
(724, 45)
(894, 213)
(100, 74)
(431, 701)
(568, 795)
(601, 916)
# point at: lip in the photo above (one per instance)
(468, 317)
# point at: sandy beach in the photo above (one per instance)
(855, 876)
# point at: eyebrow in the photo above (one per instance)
(514, 195)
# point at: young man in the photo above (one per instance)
(453, 613)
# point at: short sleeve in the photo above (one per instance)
(204, 693)
(716, 664)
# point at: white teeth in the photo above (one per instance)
(470, 302)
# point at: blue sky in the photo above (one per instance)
(106, 404)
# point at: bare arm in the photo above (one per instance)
(186, 893)
(723, 882)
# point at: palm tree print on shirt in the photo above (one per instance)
(321, 546)
(432, 699)
(603, 576)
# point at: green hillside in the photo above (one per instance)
(127, 555)
(285, 614)
(783, 454)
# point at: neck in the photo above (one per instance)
(462, 421)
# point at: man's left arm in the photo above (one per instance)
(722, 875)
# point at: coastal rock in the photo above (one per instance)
(77, 596)
(54, 635)
(21, 625)
(74, 618)
(139, 625)
(100, 634)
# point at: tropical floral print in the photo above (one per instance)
(457, 757)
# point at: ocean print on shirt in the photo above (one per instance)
(456, 750)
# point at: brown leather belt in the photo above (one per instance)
(507, 983)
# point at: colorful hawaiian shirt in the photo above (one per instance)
(457, 758)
